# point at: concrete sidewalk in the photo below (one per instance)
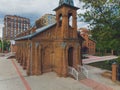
(9, 79)
(13, 77)
(50, 81)
(98, 81)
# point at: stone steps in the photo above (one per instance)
(81, 76)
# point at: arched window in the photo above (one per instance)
(70, 20)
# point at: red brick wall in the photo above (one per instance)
(13, 48)
(89, 43)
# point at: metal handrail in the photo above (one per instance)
(73, 72)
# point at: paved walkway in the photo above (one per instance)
(92, 59)
(13, 77)
(95, 85)
(97, 82)
(9, 79)
(21, 76)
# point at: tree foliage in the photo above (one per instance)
(104, 19)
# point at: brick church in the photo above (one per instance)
(54, 47)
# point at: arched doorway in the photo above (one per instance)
(70, 57)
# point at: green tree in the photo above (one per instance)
(104, 19)
(6, 45)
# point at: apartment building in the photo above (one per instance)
(46, 20)
(14, 25)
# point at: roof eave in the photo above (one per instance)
(76, 8)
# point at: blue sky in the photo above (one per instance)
(32, 9)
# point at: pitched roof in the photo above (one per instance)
(79, 36)
(68, 3)
(76, 8)
(92, 40)
(39, 30)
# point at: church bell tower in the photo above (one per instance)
(66, 18)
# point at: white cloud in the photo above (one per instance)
(30, 6)
(27, 6)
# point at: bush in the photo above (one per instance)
(118, 60)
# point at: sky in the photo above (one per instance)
(32, 9)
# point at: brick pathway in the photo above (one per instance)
(21, 76)
(95, 85)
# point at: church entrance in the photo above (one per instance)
(70, 57)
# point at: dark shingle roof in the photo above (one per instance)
(79, 36)
(39, 30)
(76, 8)
(69, 2)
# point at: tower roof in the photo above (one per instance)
(68, 2)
